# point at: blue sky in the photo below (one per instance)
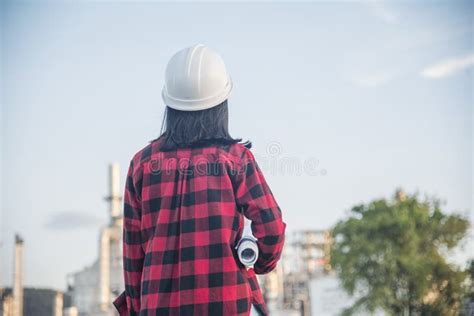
(378, 94)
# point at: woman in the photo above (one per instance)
(185, 197)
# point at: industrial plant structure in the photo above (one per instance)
(25, 301)
(94, 288)
(11, 299)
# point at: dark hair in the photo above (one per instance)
(197, 128)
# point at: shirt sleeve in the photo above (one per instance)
(256, 200)
(133, 254)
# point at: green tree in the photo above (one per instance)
(391, 254)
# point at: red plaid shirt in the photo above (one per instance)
(183, 217)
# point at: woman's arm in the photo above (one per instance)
(133, 255)
(255, 198)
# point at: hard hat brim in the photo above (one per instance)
(197, 104)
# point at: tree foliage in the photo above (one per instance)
(391, 254)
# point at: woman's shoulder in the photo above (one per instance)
(145, 153)
(237, 152)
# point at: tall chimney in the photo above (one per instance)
(18, 278)
(58, 304)
(114, 197)
(104, 269)
(110, 238)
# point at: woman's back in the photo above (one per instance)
(183, 218)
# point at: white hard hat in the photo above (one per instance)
(196, 79)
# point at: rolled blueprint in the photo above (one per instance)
(247, 248)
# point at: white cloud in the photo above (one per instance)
(67, 220)
(448, 67)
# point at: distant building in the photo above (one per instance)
(311, 252)
(94, 288)
(310, 285)
(306, 259)
(327, 296)
(21, 301)
(36, 302)
(6, 302)
(306, 256)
